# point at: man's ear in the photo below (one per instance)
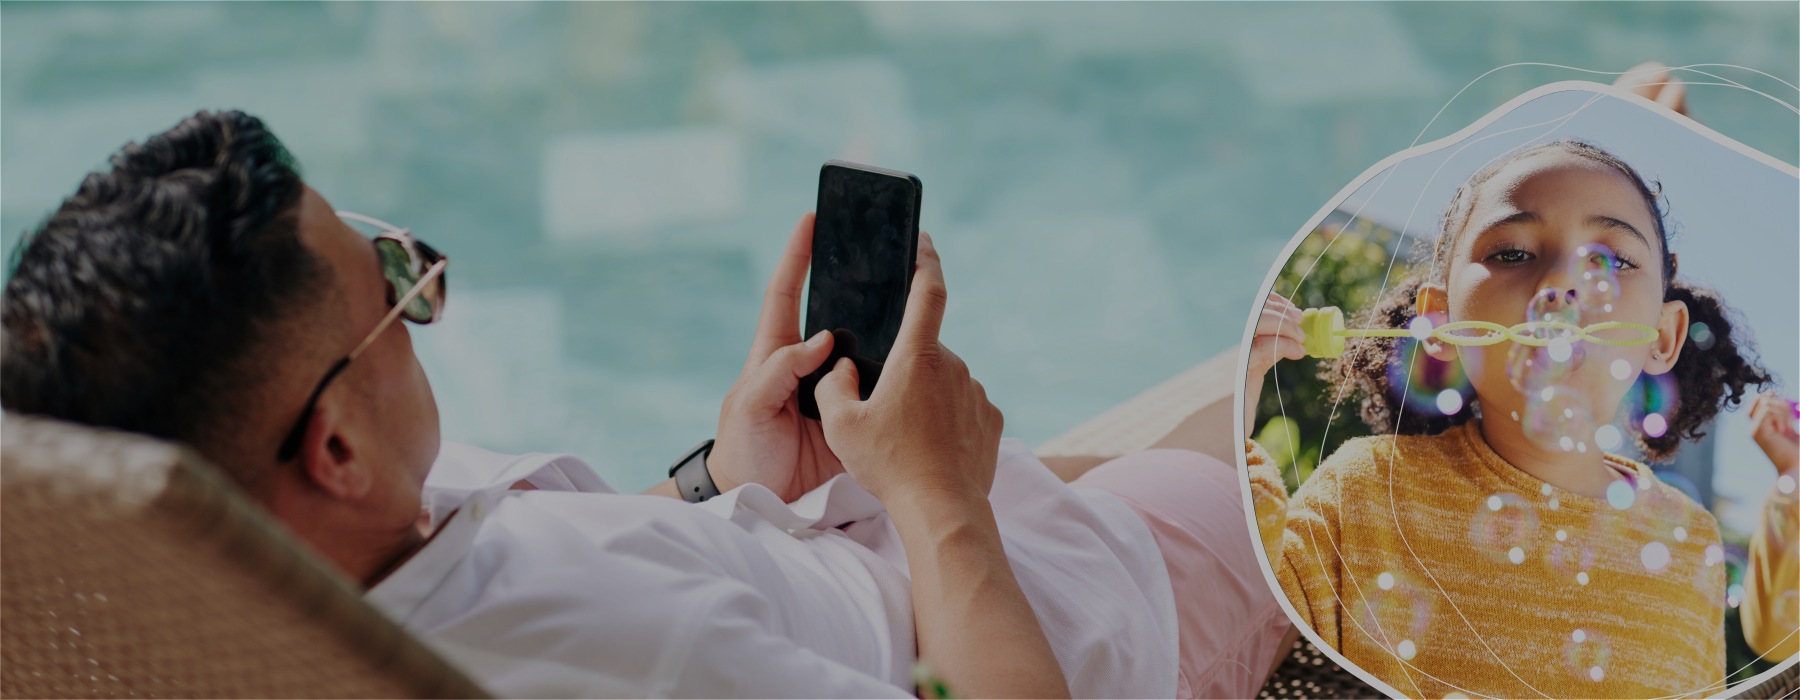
(1671, 337)
(327, 458)
(1434, 300)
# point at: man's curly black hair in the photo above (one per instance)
(141, 302)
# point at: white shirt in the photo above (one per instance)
(576, 590)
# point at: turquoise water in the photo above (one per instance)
(1108, 184)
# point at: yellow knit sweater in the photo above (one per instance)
(1771, 607)
(1436, 566)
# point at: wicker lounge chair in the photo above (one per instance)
(133, 569)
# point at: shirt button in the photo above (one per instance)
(476, 510)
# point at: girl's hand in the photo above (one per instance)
(1278, 337)
(1772, 426)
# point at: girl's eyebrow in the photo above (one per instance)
(1517, 217)
(1605, 221)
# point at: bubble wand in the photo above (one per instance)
(1325, 332)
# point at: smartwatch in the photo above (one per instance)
(691, 477)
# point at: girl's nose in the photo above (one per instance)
(1555, 299)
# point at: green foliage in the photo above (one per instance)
(1345, 263)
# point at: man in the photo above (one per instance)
(200, 291)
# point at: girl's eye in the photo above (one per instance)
(1510, 257)
(1618, 263)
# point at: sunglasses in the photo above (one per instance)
(415, 286)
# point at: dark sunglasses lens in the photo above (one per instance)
(402, 272)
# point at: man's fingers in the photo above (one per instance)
(1654, 81)
(779, 324)
(774, 381)
(925, 303)
(1674, 96)
(837, 392)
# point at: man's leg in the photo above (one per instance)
(1231, 627)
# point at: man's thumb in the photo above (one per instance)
(837, 390)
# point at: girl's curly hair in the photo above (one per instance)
(1712, 373)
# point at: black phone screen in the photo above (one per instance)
(865, 238)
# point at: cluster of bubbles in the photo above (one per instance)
(1425, 383)
(1555, 413)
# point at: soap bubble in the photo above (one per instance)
(1595, 271)
(1660, 513)
(1427, 384)
(1449, 401)
(1651, 403)
(1397, 606)
(1504, 527)
(1557, 416)
(1655, 556)
(1588, 652)
(1571, 557)
(1701, 335)
(1533, 366)
(1420, 327)
(1608, 438)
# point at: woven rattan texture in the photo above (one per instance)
(193, 593)
(1784, 686)
(1306, 673)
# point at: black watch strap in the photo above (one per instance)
(691, 476)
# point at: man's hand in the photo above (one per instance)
(1278, 337)
(1654, 82)
(1772, 426)
(925, 444)
(928, 427)
(762, 437)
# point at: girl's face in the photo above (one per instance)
(1527, 225)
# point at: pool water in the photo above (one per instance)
(1108, 184)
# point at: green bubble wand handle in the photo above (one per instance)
(1326, 334)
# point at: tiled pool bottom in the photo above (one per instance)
(1108, 183)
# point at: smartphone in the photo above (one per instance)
(865, 241)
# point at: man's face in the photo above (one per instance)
(388, 418)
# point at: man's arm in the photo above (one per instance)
(666, 489)
(925, 443)
(976, 629)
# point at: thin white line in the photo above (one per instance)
(1385, 169)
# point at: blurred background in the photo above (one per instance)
(1108, 184)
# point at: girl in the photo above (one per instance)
(1490, 546)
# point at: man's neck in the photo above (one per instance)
(378, 569)
(366, 552)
